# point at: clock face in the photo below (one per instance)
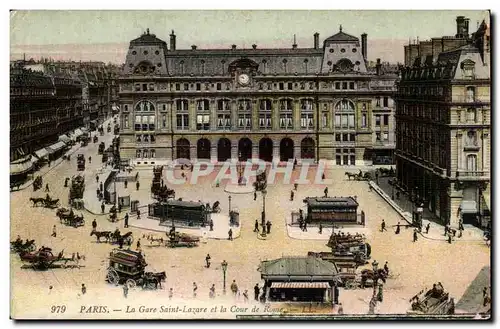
(243, 79)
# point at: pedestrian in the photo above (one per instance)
(386, 268)
(125, 290)
(94, 225)
(245, 296)
(370, 187)
(138, 214)
(326, 191)
(84, 289)
(445, 229)
(291, 195)
(212, 291)
(137, 184)
(295, 186)
(341, 309)
(304, 227)
(375, 265)
(101, 187)
(459, 233)
(139, 244)
(217, 184)
(427, 228)
(54, 232)
(398, 228)
(294, 163)
(207, 260)
(121, 242)
(256, 226)
(234, 288)
(125, 224)
(195, 289)
(268, 226)
(90, 159)
(102, 207)
(449, 238)
(256, 291)
(254, 196)
(320, 228)
(301, 224)
(415, 237)
(97, 178)
(336, 293)
(171, 293)
(125, 183)
(120, 207)
(323, 176)
(230, 235)
(380, 295)
(383, 226)
(47, 187)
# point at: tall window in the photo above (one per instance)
(144, 106)
(244, 105)
(286, 115)
(471, 115)
(470, 94)
(182, 121)
(386, 119)
(306, 121)
(223, 105)
(224, 121)
(245, 114)
(265, 118)
(181, 105)
(203, 122)
(202, 105)
(471, 162)
(377, 120)
(471, 138)
(344, 105)
(386, 101)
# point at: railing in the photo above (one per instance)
(472, 173)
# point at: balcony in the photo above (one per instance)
(471, 147)
(472, 175)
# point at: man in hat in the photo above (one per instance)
(125, 224)
(256, 226)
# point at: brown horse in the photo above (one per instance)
(37, 201)
(350, 175)
(99, 235)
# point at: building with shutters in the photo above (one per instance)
(315, 103)
(443, 124)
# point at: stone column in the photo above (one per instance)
(275, 115)
(296, 152)
(255, 150)
(234, 115)
(192, 114)
(296, 114)
(234, 149)
(255, 114)
(213, 152)
(276, 150)
(192, 152)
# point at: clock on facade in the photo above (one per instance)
(243, 79)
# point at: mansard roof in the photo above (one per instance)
(341, 37)
(147, 39)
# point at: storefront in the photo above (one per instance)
(42, 156)
(20, 169)
(298, 279)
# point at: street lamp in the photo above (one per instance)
(224, 269)
(229, 205)
(264, 192)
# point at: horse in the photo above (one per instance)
(350, 175)
(368, 274)
(37, 201)
(159, 276)
(152, 238)
(99, 235)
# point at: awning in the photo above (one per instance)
(77, 133)
(55, 147)
(21, 166)
(84, 130)
(64, 139)
(468, 207)
(41, 153)
(300, 285)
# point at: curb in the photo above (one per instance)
(384, 196)
(162, 231)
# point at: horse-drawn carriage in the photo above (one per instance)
(163, 193)
(37, 183)
(68, 217)
(116, 236)
(182, 240)
(113, 214)
(102, 146)
(80, 161)
(46, 202)
(433, 301)
(96, 139)
(42, 259)
(18, 246)
(128, 267)
(360, 176)
(77, 187)
(260, 183)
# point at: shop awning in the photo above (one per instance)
(21, 166)
(41, 153)
(84, 130)
(468, 207)
(64, 139)
(55, 147)
(300, 285)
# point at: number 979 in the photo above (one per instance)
(58, 309)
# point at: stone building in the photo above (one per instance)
(217, 104)
(443, 123)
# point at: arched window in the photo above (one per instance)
(344, 105)
(144, 106)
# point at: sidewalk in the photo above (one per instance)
(404, 207)
(221, 227)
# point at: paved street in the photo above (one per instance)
(415, 265)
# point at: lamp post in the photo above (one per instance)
(224, 269)
(229, 198)
(264, 192)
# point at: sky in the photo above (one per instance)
(105, 35)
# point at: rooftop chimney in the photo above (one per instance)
(254, 46)
(462, 27)
(364, 45)
(316, 40)
(233, 47)
(378, 66)
(172, 41)
(193, 47)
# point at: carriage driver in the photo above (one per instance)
(19, 240)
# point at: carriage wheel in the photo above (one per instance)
(131, 283)
(112, 277)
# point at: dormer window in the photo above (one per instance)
(468, 68)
